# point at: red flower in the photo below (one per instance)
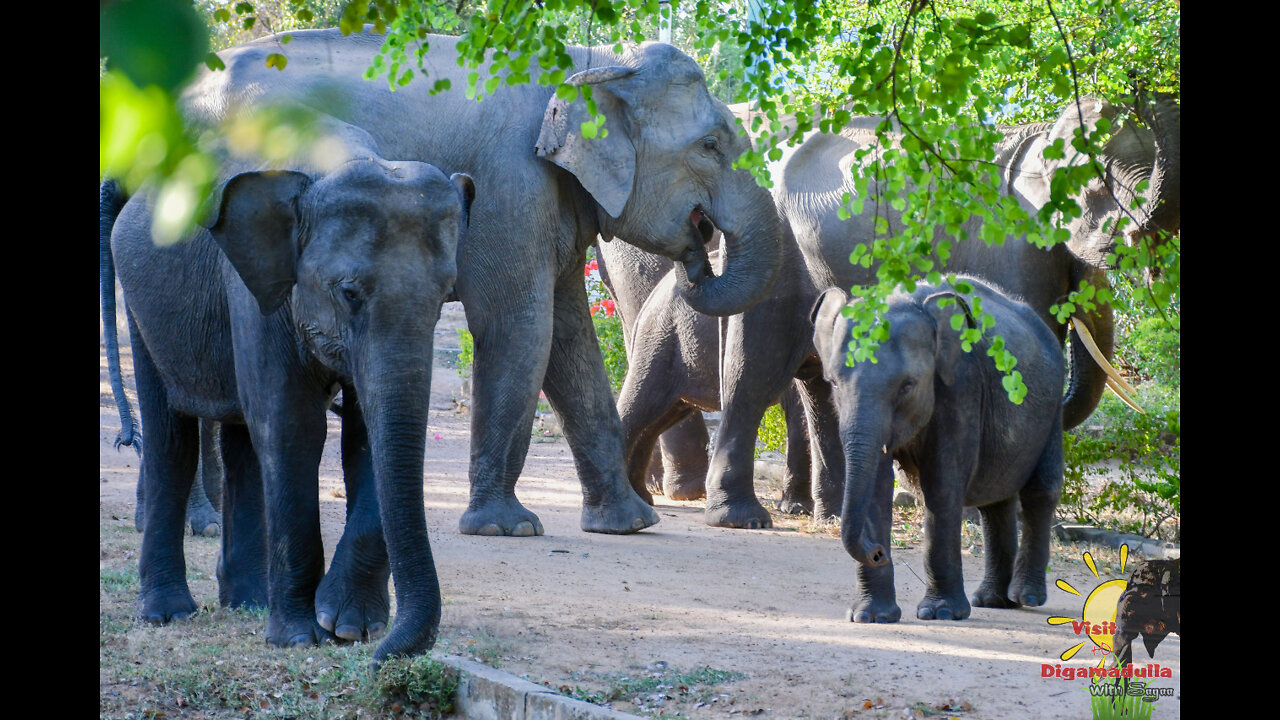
(591, 266)
(606, 306)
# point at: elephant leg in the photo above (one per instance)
(797, 493)
(352, 601)
(242, 566)
(168, 469)
(684, 458)
(756, 366)
(578, 389)
(202, 517)
(648, 406)
(1000, 534)
(140, 502)
(1039, 501)
(826, 451)
(211, 470)
(653, 476)
(944, 598)
(512, 345)
(877, 599)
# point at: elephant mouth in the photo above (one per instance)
(697, 266)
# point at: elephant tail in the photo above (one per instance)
(111, 201)
(1092, 347)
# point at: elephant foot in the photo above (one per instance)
(505, 517)
(746, 514)
(352, 601)
(795, 506)
(162, 605)
(987, 596)
(241, 592)
(300, 631)
(404, 641)
(872, 610)
(943, 607)
(623, 517)
(1031, 593)
(206, 521)
(684, 487)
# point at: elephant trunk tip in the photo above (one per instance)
(875, 555)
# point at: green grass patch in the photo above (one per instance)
(118, 581)
(649, 689)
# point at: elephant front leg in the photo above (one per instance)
(944, 598)
(578, 388)
(352, 601)
(826, 453)
(755, 370)
(242, 566)
(1000, 536)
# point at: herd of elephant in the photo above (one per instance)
(325, 273)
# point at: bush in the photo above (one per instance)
(417, 686)
(772, 435)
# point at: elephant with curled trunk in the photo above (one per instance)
(767, 346)
(944, 416)
(323, 276)
(661, 172)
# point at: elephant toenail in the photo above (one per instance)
(300, 640)
(325, 620)
(376, 628)
(490, 529)
(349, 632)
(944, 614)
(524, 529)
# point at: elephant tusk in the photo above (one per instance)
(1087, 338)
(1124, 396)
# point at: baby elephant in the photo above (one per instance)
(324, 277)
(944, 415)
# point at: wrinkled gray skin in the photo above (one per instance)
(544, 194)
(944, 416)
(324, 277)
(766, 346)
(673, 374)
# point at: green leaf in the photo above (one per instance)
(277, 61)
(213, 62)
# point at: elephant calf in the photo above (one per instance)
(944, 415)
(309, 281)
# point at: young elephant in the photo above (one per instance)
(944, 415)
(307, 283)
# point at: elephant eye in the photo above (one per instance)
(350, 294)
(906, 388)
(710, 144)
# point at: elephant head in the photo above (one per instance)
(1148, 152)
(884, 405)
(363, 256)
(663, 173)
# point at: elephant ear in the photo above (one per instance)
(257, 229)
(825, 315)
(604, 165)
(947, 357)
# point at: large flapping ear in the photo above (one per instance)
(948, 354)
(1089, 109)
(824, 316)
(257, 229)
(604, 165)
(467, 190)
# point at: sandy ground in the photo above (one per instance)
(577, 609)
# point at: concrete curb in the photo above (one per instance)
(488, 694)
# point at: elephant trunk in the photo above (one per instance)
(1086, 379)
(752, 248)
(394, 389)
(867, 468)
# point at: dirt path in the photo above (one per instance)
(767, 607)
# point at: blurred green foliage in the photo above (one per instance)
(772, 435)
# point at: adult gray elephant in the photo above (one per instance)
(545, 192)
(768, 345)
(327, 276)
(944, 416)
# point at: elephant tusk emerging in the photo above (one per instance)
(1087, 338)
(1124, 396)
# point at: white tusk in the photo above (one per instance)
(884, 449)
(1124, 396)
(1087, 338)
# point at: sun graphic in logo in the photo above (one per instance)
(1097, 619)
